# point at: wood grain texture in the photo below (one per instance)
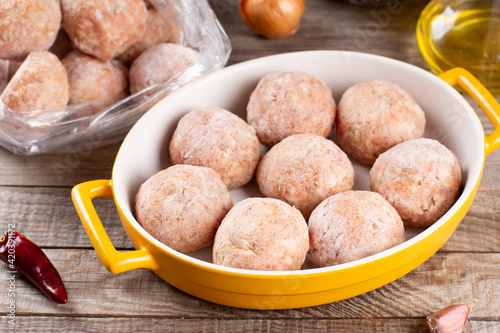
(65, 169)
(93, 291)
(332, 25)
(47, 216)
(143, 325)
(35, 197)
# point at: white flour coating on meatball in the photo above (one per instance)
(91, 79)
(353, 225)
(421, 178)
(27, 26)
(218, 139)
(40, 83)
(160, 63)
(375, 116)
(104, 28)
(182, 206)
(262, 234)
(289, 103)
(303, 170)
(158, 30)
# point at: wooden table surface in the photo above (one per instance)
(35, 197)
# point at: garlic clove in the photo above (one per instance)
(453, 318)
(272, 18)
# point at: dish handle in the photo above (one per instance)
(115, 261)
(463, 78)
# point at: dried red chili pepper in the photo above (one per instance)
(25, 257)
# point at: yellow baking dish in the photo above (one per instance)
(450, 119)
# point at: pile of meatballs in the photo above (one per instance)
(66, 52)
(306, 179)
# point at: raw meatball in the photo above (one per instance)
(158, 30)
(303, 170)
(27, 26)
(40, 83)
(218, 139)
(353, 225)
(421, 178)
(160, 63)
(93, 79)
(182, 206)
(262, 234)
(104, 28)
(375, 116)
(289, 103)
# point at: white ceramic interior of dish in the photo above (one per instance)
(450, 119)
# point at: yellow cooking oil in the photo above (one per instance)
(462, 33)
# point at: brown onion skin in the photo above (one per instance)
(272, 18)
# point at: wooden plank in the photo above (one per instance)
(70, 169)
(35, 197)
(442, 280)
(333, 25)
(479, 231)
(140, 325)
(47, 216)
(73, 168)
(326, 25)
(65, 169)
(317, 32)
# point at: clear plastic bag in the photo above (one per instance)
(71, 128)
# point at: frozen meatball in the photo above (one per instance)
(40, 83)
(218, 139)
(303, 170)
(289, 103)
(104, 28)
(92, 79)
(375, 116)
(160, 63)
(158, 30)
(262, 234)
(182, 206)
(421, 178)
(27, 26)
(353, 225)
